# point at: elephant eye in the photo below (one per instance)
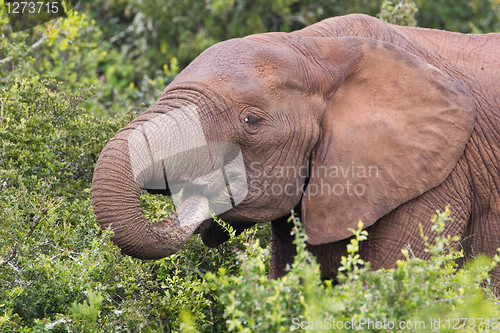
(251, 119)
(251, 122)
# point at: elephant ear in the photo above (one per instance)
(394, 127)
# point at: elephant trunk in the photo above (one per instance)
(115, 198)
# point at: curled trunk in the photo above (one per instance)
(115, 198)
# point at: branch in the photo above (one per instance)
(32, 47)
(5, 60)
(12, 256)
(1, 113)
(36, 221)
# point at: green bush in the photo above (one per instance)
(478, 16)
(417, 292)
(60, 273)
(75, 52)
(401, 12)
(46, 134)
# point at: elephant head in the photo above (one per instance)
(347, 127)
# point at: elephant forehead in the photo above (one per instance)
(236, 60)
(221, 61)
(267, 71)
(265, 66)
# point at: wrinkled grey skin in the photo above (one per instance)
(287, 100)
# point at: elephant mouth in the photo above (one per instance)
(166, 192)
(203, 227)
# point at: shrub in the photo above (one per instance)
(401, 13)
(60, 273)
(417, 293)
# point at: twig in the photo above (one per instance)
(4, 60)
(211, 318)
(39, 217)
(12, 256)
(32, 47)
(121, 34)
(448, 299)
(408, 247)
(5, 217)
(1, 112)
(36, 221)
(41, 245)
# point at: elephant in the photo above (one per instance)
(348, 119)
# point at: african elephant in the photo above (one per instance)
(348, 119)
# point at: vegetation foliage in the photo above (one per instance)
(69, 85)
